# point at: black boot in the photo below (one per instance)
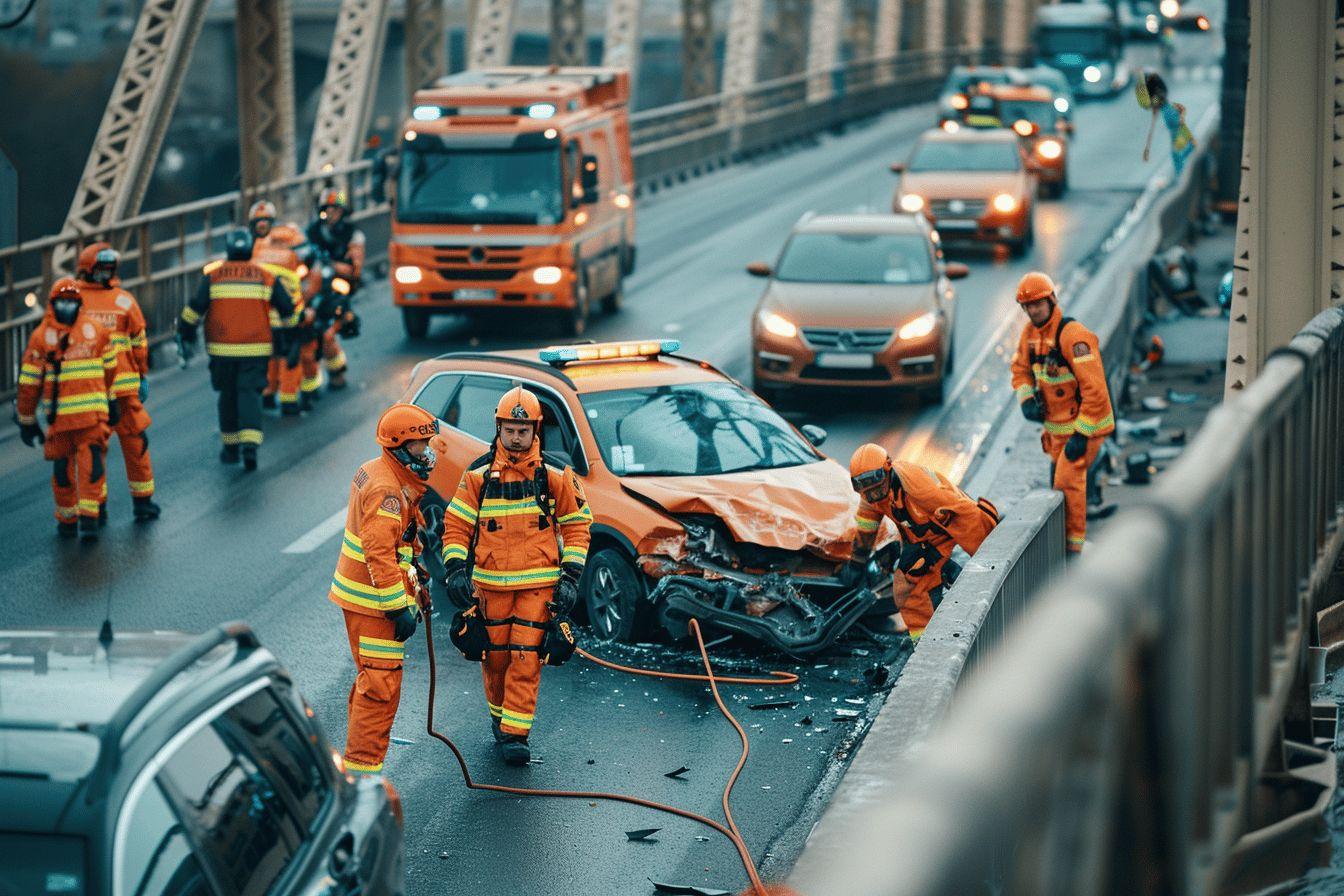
(289, 409)
(144, 509)
(514, 750)
(307, 400)
(336, 381)
(268, 402)
(102, 515)
(249, 457)
(88, 528)
(66, 530)
(228, 454)
(495, 730)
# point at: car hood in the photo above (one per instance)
(805, 508)
(963, 184)
(848, 304)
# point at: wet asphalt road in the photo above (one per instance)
(217, 554)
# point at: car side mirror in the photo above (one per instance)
(588, 179)
(814, 434)
(759, 269)
(956, 270)
(897, 167)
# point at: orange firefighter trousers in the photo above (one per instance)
(130, 430)
(79, 473)
(512, 676)
(1070, 477)
(376, 693)
(917, 608)
(283, 379)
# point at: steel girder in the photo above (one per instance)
(790, 37)
(620, 46)
(126, 146)
(973, 26)
(887, 36)
(491, 34)
(860, 36)
(1016, 27)
(425, 35)
(935, 25)
(697, 49)
(352, 77)
(264, 36)
(741, 62)
(569, 44)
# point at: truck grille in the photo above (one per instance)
(846, 340)
(478, 254)
(970, 208)
(492, 274)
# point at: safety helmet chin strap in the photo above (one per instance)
(421, 465)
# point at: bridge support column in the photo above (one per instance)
(697, 49)
(790, 35)
(347, 91)
(935, 32)
(1016, 30)
(491, 34)
(126, 146)
(823, 47)
(1283, 271)
(741, 63)
(425, 53)
(621, 43)
(264, 35)
(887, 37)
(973, 28)
(569, 43)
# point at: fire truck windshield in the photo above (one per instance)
(441, 184)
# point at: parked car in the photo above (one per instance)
(159, 763)
(855, 301)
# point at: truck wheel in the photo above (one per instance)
(612, 303)
(574, 321)
(416, 322)
(612, 591)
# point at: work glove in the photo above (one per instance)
(566, 593)
(186, 346)
(113, 412)
(1075, 447)
(458, 585)
(854, 573)
(144, 389)
(916, 558)
(403, 622)
(30, 431)
(1031, 409)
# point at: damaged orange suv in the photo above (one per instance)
(857, 300)
(706, 502)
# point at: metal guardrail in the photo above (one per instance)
(162, 251)
(1117, 740)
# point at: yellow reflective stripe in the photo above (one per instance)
(867, 525)
(1024, 392)
(496, 507)
(91, 401)
(573, 555)
(1088, 428)
(389, 514)
(121, 342)
(517, 719)
(362, 769)
(80, 374)
(88, 506)
(191, 316)
(495, 711)
(541, 575)
(137, 341)
(249, 436)
(83, 364)
(365, 595)
(310, 383)
(131, 378)
(462, 510)
(1066, 376)
(239, 349)
(380, 648)
(142, 488)
(1059, 429)
(454, 552)
(353, 553)
(67, 514)
(585, 514)
(388, 592)
(29, 374)
(354, 539)
(240, 291)
(110, 360)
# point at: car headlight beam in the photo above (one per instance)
(1050, 149)
(1005, 203)
(919, 327)
(912, 202)
(547, 276)
(408, 274)
(1092, 74)
(779, 326)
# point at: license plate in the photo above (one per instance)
(945, 224)
(847, 360)
(475, 295)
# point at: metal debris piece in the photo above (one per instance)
(1155, 403)
(1165, 452)
(701, 838)
(686, 890)
(876, 675)
(857, 701)
(643, 834)
(677, 774)
(846, 713)
(1139, 429)
(806, 720)
(443, 855)
(403, 741)
(592, 761)
(775, 704)
(787, 740)
(1182, 397)
(1101, 513)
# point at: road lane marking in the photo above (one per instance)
(315, 537)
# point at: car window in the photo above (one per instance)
(435, 393)
(941, 155)
(158, 858)
(472, 409)
(283, 756)
(1041, 114)
(691, 429)
(855, 258)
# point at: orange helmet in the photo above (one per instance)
(1034, 287)
(65, 288)
(333, 199)
(518, 404)
(404, 423)
(870, 471)
(261, 209)
(64, 292)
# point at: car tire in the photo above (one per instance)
(574, 321)
(628, 258)
(416, 322)
(613, 594)
(612, 303)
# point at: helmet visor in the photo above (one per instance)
(873, 485)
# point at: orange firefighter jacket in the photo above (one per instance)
(72, 369)
(373, 572)
(235, 298)
(521, 541)
(1061, 362)
(927, 509)
(120, 314)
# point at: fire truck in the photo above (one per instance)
(514, 188)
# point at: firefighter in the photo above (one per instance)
(515, 540)
(334, 241)
(117, 310)
(378, 583)
(235, 297)
(1060, 382)
(70, 367)
(273, 249)
(932, 516)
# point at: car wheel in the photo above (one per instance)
(612, 303)
(628, 258)
(612, 592)
(416, 322)
(574, 321)
(950, 357)
(1022, 246)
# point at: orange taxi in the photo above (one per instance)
(1031, 114)
(705, 501)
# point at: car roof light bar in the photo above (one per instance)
(609, 351)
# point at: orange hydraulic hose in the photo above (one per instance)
(730, 831)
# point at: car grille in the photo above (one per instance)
(846, 340)
(861, 375)
(971, 208)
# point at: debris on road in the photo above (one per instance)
(404, 741)
(685, 890)
(677, 774)
(1155, 403)
(775, 704)
(642, 835)
(1182, 397)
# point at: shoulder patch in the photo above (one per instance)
(89, 331)
(391, 504)
(124, 301)
(1081, 350)
(361, 478)
(51, 338)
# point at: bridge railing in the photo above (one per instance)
(1116, 741)
(162, 251)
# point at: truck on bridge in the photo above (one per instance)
(514, 188)
(1085, 42)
